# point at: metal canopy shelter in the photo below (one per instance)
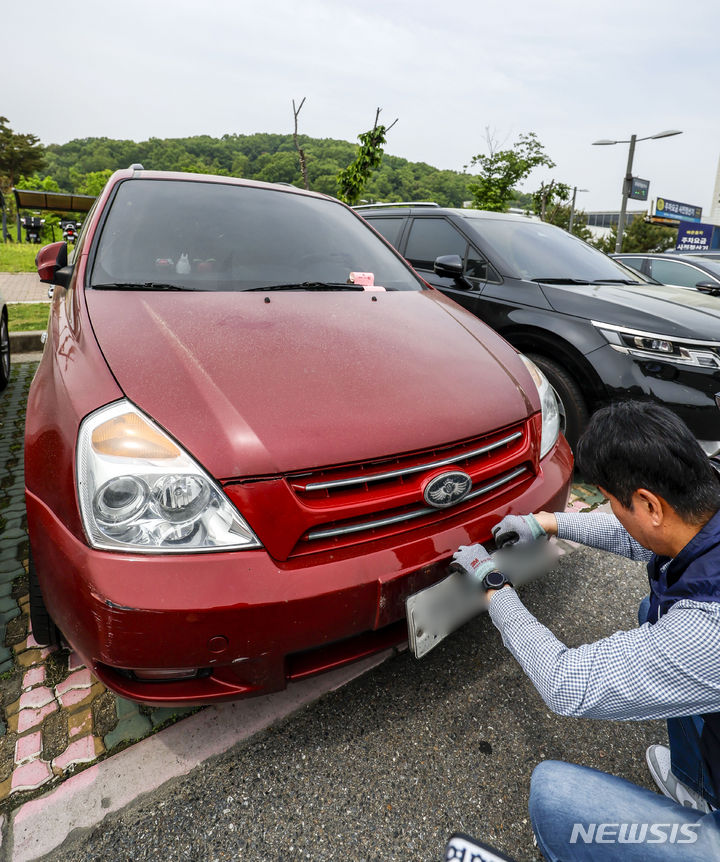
(57, 201)
(29, 199)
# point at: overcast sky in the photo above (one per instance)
(572, 72)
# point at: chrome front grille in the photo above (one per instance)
(354, 503)
(411, 515)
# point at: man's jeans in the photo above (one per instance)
(684, 738)
(579, 814)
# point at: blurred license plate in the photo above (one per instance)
(435, 612)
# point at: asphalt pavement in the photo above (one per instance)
(389, 766)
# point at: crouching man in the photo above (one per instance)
(665, 499)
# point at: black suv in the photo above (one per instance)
(596, 329)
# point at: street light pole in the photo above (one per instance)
(572, 207)
(626, 193)
(627, 182)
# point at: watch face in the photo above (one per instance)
(494, 580)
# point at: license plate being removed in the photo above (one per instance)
(435, 612)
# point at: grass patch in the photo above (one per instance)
(18, 257)
(27, 316)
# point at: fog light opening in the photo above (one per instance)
(165, 674)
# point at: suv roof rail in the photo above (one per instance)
(397, 204)
(136, 166)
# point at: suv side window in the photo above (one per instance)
(390, 228)
(431, 237)
(477, 267)
(634, 262)
(674, 272)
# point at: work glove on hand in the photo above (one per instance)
(474, 560)
(517, 530)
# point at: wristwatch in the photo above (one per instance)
(494, 581)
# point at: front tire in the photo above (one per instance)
(44, 630)
(4, 352)
(573, 408)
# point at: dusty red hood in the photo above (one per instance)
(252, 387)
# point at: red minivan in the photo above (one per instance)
(254, 433)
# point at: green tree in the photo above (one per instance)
(549, 198)
(500, 171)
(253, 157)
(640, 235)
(560, 216)
(352, 179)
(19, 154)
(93, 183)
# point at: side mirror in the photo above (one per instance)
(52, 264)
(449, 266)
(711, 287)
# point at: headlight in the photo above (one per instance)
(548, 405)
(140, 491)
(650, 345)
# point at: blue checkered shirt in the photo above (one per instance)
(670, 668)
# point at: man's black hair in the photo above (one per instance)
(637, 444)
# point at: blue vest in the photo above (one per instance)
(694, 574)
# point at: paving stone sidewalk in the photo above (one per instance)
(55, 717)
(22, 287)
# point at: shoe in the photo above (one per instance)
(659, 764)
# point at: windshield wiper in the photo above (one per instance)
(308, 285)
(617, 281)
(148, 285)
(562, 280)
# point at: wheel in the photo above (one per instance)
(573, 409)
(44, 630)
(4, 352)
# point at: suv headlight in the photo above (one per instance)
(548, 406)
(140, 491)
(649, 345)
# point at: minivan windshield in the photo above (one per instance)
(538, 251)
(170, 234)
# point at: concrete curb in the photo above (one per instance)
(26, 342)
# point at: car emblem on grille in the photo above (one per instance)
(447, 489)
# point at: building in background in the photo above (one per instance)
(600, 222)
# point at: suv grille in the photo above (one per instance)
(340, 507)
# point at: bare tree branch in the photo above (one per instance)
(377, 117)
(301, 152)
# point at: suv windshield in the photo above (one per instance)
(218, 236)
(538, 251)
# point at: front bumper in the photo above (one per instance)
(248, 623)
(687, 390)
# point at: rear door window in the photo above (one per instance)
(634, 262)
(390, 228)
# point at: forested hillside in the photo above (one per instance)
(268, 157)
